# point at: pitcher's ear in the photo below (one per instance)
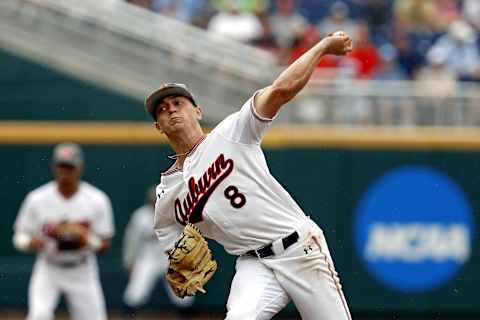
(157, 126)
(199, 111)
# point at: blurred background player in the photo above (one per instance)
(145, 259)
(65, 266)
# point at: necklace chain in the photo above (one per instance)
(176, 156)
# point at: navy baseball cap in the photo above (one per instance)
(167, 90)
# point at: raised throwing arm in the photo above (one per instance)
(294, 78)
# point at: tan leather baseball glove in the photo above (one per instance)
(191, 263)
(70, 236)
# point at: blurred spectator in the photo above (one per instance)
(288, 26)
(471, 12)
(337, 20)
(409, 60)
(388, 68)
(447, 11)
(459, 47)
(364, 58)
(439, 80)
(251, 6)
(307, 39)
(414, 31)
(414, 14)
(147, 4)
(377, 13)
(184, 10)
(282, 27)
(267, 40)
(437, 84)
(236, 25)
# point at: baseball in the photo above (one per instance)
(339, 33)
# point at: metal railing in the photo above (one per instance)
(386, 103)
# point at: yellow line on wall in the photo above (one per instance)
(426, 138)
(138, 133)
(45, 132)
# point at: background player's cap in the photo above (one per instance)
(69, 154)
(166, 90)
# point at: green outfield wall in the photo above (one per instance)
(327, 183)
(33, 92)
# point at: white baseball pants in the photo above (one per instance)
(303, 273)
(80, 285)
(146, 271)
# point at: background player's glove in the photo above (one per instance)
(191, 263)
(70, 236)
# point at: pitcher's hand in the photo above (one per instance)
(338, 43)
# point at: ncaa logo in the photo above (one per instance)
(413, 229)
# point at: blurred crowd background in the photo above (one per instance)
(80, 70)
(394, 39)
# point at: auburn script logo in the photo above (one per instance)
(191, 208)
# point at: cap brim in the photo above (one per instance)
(67, 163)
(158, 95)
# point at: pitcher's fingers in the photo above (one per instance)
(339, 34)
(349, 45)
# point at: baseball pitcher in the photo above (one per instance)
(220, 187)
(66, 222)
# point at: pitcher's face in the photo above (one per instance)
(177, 113)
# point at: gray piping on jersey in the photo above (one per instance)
(173, 170)
(254, 110)
(170, 171)
(335, 281)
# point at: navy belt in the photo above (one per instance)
(267, 250)
(68, 264)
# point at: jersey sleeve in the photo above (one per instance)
(245, 126)
(103, 224)
(26, 221)
(166, 230)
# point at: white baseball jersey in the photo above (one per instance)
(227, 190)
(45, 207)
